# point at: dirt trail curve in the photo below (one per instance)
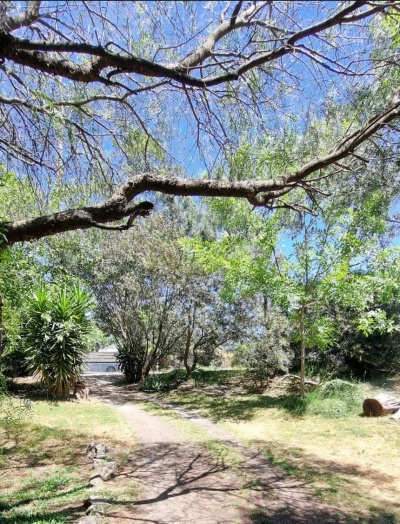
(180, 483)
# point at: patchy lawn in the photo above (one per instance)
(44, 471)
(348, 460)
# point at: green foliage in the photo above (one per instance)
(12, 412)
(54, 335)
(329, 408)
(130, 360)
(267, 352)
(163, 381)
(334, 399)
(3, 231)
(339, 388)
(60, 488)
(20, 272)
(203, 377)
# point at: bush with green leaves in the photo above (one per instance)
(12, 412)
(267, 351)
(329, 408)
(335, 399)
(163, 381)
(131, 360)
(338, 388)
(54, 334)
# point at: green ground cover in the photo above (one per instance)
(44, 471)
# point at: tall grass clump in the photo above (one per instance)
(201, 377)
(335, 399)
(218, 377)
(163, 381)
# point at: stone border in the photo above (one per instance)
(104, 469)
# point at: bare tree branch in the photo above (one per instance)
(260, 193)
(40, 54)
(31, 15)
(113, 92)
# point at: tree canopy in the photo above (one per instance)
(102, 102)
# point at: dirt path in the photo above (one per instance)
(180, 482)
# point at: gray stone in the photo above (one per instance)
(98, 504)
(108, 470)
(96, 481)
(89, 519)
(91, 450)
(98, 463)
(90, 446)
(95, 499)
(100, 450)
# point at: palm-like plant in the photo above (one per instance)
(54, 335)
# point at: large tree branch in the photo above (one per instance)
(10, 23)
(47, 56)
(257, 192)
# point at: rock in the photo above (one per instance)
(101, 448)
(98, 463)
(90, 446)
(96, 481)
(98, 504)
(90, 450)
(99, 451)
(108, 470)
(89, 519)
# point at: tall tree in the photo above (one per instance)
(154, 298)
(333, 265)
(84, 84)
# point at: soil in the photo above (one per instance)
(176, 480)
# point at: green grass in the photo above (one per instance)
(53, 443)
(201, 377)
(39, 500)
(321, 439)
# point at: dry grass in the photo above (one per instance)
(351, 461)
(44, 470)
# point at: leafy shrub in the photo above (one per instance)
(130, 361)
(163, 381)
(54, 334)
(12, 412)
(155, 384)
(267, 352)
(334, 399)
(342, 390)
(210, 376)
(295, 404)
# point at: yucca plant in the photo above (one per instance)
(54, 334)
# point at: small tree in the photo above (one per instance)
(266, 352)
(54, 335)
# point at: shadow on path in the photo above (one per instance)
(181, 482)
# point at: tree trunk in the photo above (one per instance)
(1, 330)
(380, 405)
(302, 349)
(194, 365)
(146, 371)
(188, 368)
